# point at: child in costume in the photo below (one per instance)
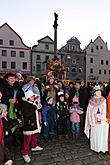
(96, 125)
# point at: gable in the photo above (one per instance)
(46, 39)
(7, 33)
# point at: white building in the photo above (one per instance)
(97, 61)
(41, 53)
(15, 56)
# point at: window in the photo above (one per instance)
(67, 68)
(99, 71)
(4, 52)
(13, 65)
(47, 47)
(97, 47)
(74, 61)
(38, 67)
(46, 58)
(74, 69)
(38, 57)
(92, 50)
(1, 42)
(80, 69)
(13, 53)
(107, 62)
(11, 42)
(91, 70)
(104, 71)
(73, 48)
(21, 54)
(102, 62)
(4, 64)
(24, 65)
(101, 47)
(91, 60)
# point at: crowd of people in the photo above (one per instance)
(29, 108)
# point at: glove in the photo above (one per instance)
(45, 123)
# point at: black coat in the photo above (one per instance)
(29, 116)
(4, 154)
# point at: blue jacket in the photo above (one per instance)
(48, 113)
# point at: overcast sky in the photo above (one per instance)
(34, 19)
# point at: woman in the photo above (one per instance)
(96, 125)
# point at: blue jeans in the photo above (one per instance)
(75, 128)
(49, 130)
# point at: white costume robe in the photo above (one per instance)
(97, 132)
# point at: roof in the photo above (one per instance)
(75, 40)
(46, 37)
(6, 24)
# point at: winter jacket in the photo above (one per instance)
(75, 114)
(62, 109)
(31, 87)
(30, 118)
(48, 113)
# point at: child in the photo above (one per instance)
(49, 118)
(31, 125)
(75, 112)
(62, 115)
(7, 124)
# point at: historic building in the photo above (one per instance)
(97, 61)
(15, 56)
(74, 59)
(41, 53)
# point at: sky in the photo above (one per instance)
(34, 19)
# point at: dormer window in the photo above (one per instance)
(47, 46)
(97, 47)
(92, 50)
(101, 47)
(73, 47)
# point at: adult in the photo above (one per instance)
(96, 125)
(50, 89)
(31, 85)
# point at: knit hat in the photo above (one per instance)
(48, 98)
(96, 88)
(75, 99)
(29, 94)
(60, 93)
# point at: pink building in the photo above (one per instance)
(15, 56)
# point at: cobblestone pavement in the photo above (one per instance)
(64, 152)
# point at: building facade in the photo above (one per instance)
(97, 61)
(74, 59)
(15, 56)
(41, 53)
